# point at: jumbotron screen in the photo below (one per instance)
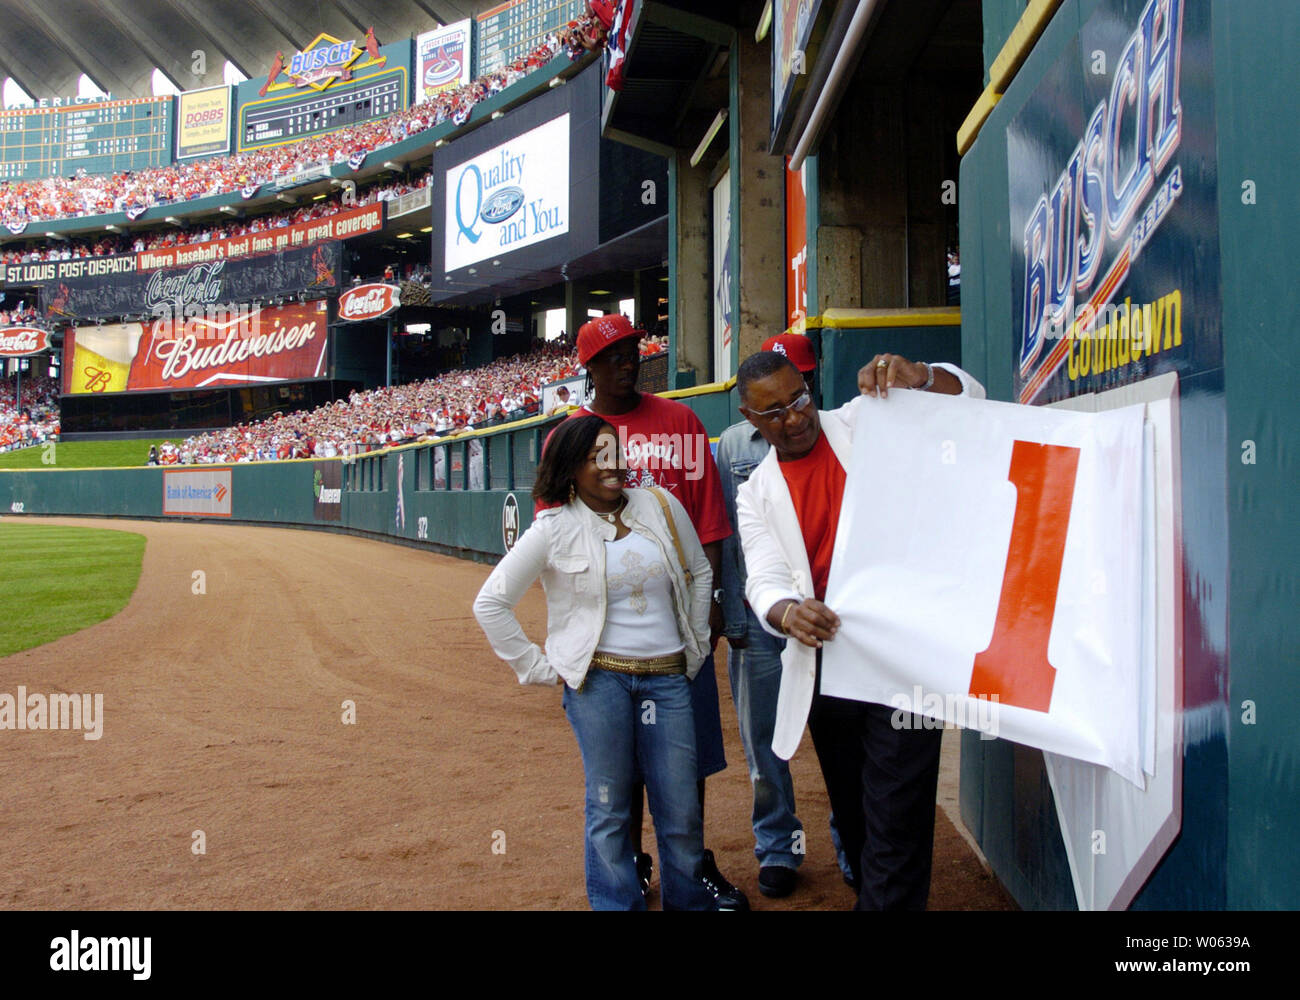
(101, 137)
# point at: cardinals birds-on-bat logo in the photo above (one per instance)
(271, 77)
(321, 63)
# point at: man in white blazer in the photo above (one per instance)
(881, 780)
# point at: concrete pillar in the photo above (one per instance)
(694, 252)
(762, 203)
(839, 268)
(575, 306)
(646, 291)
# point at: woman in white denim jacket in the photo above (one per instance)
(631, 714)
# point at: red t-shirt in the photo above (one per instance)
(816, 484)
(666, 445)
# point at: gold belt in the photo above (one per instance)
(673, 663)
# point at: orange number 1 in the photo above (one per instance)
(1014, 668)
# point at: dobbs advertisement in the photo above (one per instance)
(215, 347)
(203, 122)
(512, 196)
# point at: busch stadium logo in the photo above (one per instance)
(1098, 209)
(324, 61)
(368, 302)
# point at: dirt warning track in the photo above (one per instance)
(223, 713)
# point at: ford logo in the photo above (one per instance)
(501, 204)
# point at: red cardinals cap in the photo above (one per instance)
(794, 346)
(604, 12)
(597, 334)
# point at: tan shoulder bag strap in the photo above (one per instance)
(672, 527)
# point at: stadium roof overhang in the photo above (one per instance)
(47, 45)
(645, 246)
(674, 58)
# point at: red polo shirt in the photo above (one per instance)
(816, 484)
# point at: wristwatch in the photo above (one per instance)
(718, 595)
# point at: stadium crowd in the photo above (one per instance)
(110, 245)
(455, 401)
(24, 202)
(31, 419)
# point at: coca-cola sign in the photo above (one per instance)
(200, 285)
(19, 341)
(368, 302)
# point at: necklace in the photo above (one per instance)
(612, 516)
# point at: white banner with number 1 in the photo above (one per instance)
(987, 572)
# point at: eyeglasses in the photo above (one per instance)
(776, 415)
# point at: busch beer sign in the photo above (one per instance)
(1106, 290)
(368, 302)
(322, 62)
(20, 341)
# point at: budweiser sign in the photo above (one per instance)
(368, 302)
(19, 341)
(199, 350)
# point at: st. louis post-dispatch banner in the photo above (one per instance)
(203, 122)
(510, 197)
(1114, 231)
(197, 493)
(993, 578)
(240, 347)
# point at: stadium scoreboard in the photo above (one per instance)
(273, 121)
(102, 137)
(512, 30)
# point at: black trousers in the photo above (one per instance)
(881, 778)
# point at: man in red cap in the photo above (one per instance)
(666, 445)
(754, 662)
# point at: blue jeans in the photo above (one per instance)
(755, 683)
(628, 725)
(755, 686)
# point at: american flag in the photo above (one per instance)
(617, 44)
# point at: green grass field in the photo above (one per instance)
(56, 580)
(82, 454)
